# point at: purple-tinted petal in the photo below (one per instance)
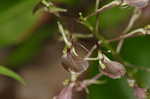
(113, 69)
(140, 93)
(66, 93)
(74, 63)
(137, 3)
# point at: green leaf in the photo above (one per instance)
(16, 20)
(112, 89)
(137, 52)
(7, 72)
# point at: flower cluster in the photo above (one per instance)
(76, 65)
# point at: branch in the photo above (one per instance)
(135, 16)
(97, 19)
(137, 32)
(104, 8)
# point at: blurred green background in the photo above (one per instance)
(26, 38)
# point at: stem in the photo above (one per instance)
(97, 4)
(82, 36)
(82, 46)
(137, 67)
(135, 16)
(91, 51)
(92, 59)
(97, 19)
(137, 32)
(74, 76)
(93, 80)
(97, 76)
(62, 31)
(99, 36)
(96, 32)
(47, 4)
(104, 8)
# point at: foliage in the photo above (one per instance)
(7, 72)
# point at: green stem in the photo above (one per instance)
(62, 31)
(135, 16)
(97, 19)
(104, 8)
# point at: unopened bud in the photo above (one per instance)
(66, 93)
(74, 63)
(137, 3)
(131, 82)
(112, 69)
(140, 93)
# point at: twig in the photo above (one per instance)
(137, 32)
(137, 67)
(97, 76)
(91, 51)
(62, 31)
(81, 36)
(99, 36)
(135, 16)
(97, 19)
(104, 8)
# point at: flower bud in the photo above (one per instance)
(137, 3)
(113, 69)
(140, 93)
(74, 63)
(66, 93)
